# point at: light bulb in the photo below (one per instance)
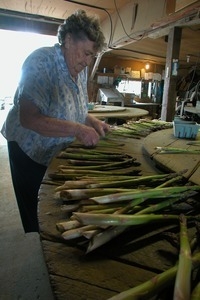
(147, 66)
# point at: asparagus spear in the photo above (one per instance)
(121, 219)
(77, 232)
(170, 150)
(145, 194)
(106, 165)
(130, 182)
(90, 156)
(183, 277)
(80, 194)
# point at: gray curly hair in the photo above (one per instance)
(81, 26)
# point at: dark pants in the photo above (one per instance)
(27, 176)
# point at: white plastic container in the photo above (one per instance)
(185, 129)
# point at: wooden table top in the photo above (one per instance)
(130, 259)
(126, 113)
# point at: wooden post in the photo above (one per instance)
(169, 93)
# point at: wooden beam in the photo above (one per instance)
(169, 93)
(170, 6)
(10, 20)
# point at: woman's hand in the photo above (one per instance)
(86, 135)
(100, 126)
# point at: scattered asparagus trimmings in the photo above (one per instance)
(171, 150)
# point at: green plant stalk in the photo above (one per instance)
(194, 143)
(71, 174)
(183, 277)
(74, 184)
(79, 172)
(159, 206)
(78, 162)
(98, 150)
(80, 194)
(104, 143)
(129, 182)
(90, 156)
(148, 193)
(113, 231)
(103, 211)
(149, 288)
(84, 180)
(153, 286)
(121, 219)
(87, 208)
(196, 292)
(125, 133)
(108, 165)
(106, 179)
(170, 181)
(168, 150)
(166, 203)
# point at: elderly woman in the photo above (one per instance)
(50, 109)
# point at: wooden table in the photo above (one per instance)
(118, 112)
(174, 162)
(152, 107)
(130, 259)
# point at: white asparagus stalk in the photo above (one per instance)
(71, 184)
(70, 207)
(80, 194)
(77, 232)
(67, 225)
(103, 237)
(90, 233)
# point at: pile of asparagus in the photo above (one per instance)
(140, 128)
(103, 198)
(100, 212)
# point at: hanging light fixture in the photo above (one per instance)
(147, 66)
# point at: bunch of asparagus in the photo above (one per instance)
(140, 128)
(106, 159)
(103, 209)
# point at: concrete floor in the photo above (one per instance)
(23, 273)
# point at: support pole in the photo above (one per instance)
(171, 72)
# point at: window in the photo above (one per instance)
(130, 86)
